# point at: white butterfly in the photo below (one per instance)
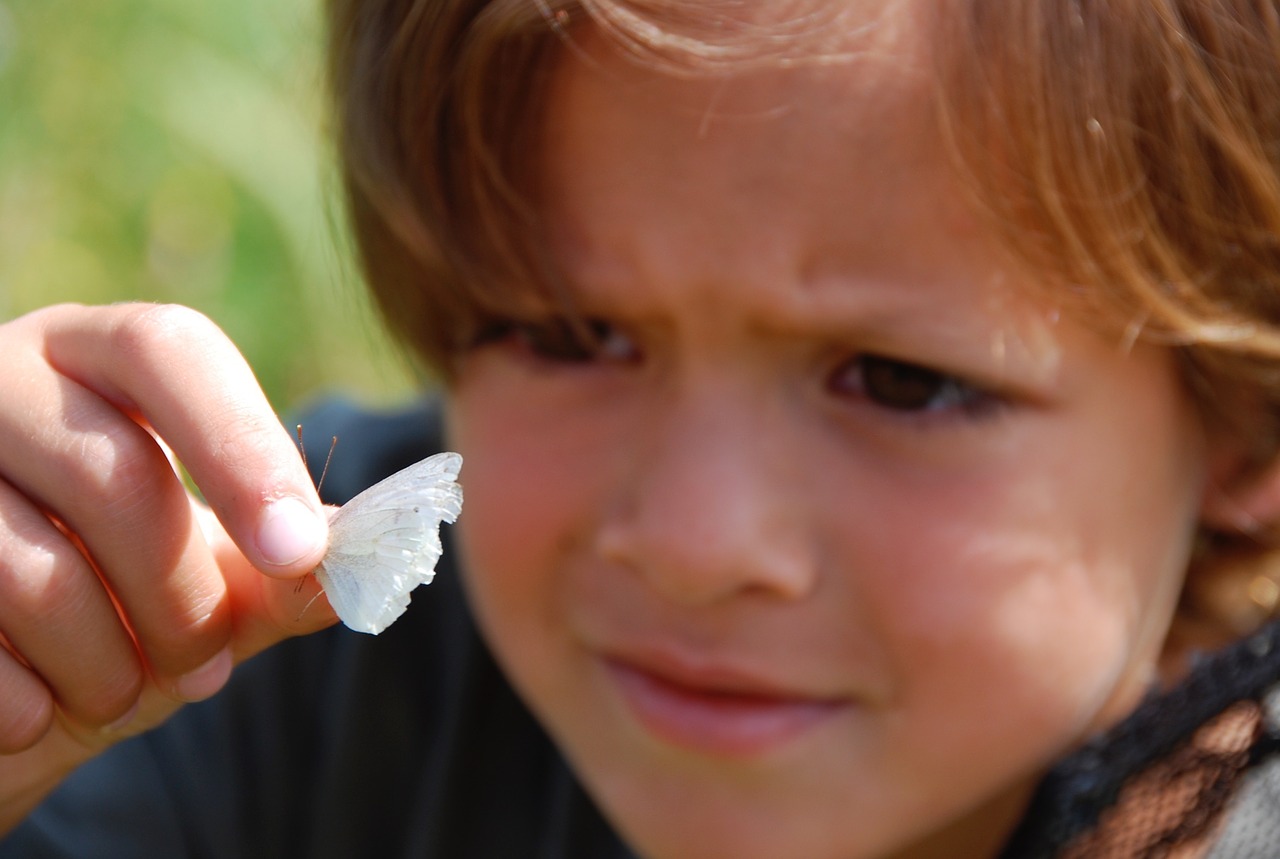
(385, 542)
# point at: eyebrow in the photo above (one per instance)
(882, 312)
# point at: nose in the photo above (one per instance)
(713, 507)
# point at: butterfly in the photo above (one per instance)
(386, 541)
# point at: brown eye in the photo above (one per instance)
(905, 387)
(558, 340)
(901, 386)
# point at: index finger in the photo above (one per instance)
(176, 369)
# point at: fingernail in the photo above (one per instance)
(289, 531)
(206, 680)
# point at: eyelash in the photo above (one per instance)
(920, 391)
(562, 340)
(911, 389)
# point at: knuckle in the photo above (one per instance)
(183, 622)
(159, 330)
(40, 318)
(121, 461)
(36, 576)
(26, 710)
(107, 697)
(191, 638)
(243, 436)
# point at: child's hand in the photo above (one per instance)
(121, 595)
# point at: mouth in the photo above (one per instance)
(717, 714)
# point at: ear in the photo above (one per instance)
(1233, 584)
(1242, 496)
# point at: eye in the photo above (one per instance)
(563, 340)
(905, 387)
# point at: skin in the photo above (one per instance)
(769, 597)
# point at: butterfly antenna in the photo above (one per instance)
(301, 449)
(328, 459)
(310, 602)
(333, 442)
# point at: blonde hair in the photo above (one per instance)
(1129, 151)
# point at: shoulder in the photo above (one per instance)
(1192, 769)
(1252, 826)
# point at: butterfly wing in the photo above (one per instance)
(386, 541)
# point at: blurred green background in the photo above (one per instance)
(174, 150)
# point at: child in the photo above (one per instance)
(864, 405)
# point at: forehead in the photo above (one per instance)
(809, 162)
(848, 98)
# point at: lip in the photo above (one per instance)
(716, 712)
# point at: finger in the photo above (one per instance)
(266, 609)
(26, 705)
(179, 371)
(58, 616)
(71, 452)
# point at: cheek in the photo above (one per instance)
(1007, 652)
(531, 495)
(1036, 611)
(1026, 625)
(524, 476)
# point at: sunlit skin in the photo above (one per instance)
(844, 532)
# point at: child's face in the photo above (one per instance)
(843, 536)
